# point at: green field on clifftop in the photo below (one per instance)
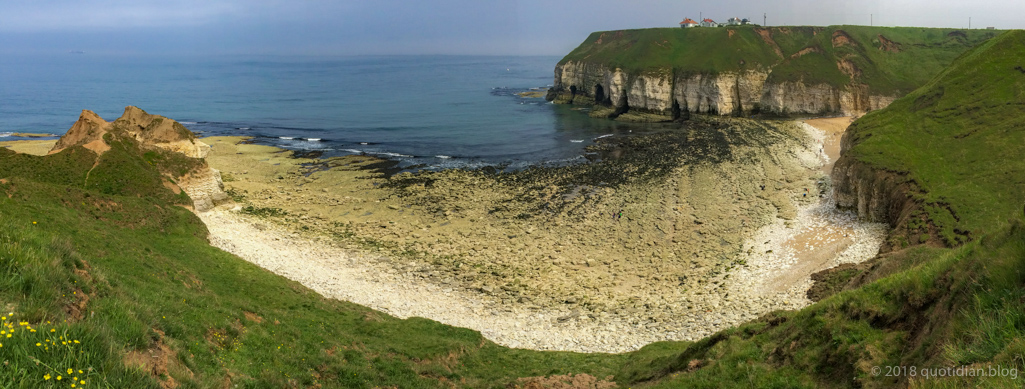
(890, 60)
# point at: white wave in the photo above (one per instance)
(286, 137)
(443, 156)
(313, 139)
(392, 154)
(353, 151)
(187, 123)
(603, 136)
(576, 140)
(243, 128)
(5, 134)
(363, 143)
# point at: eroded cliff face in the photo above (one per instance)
(877, 194)
(662, 92)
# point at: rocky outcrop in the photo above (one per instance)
(665, 92)
(153, 132)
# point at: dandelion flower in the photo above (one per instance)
(76, 342)
(46, 377)
(58, 378)
(53, 330)
(81, 372)
(38, 344)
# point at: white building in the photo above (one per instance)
(688, 23)
(709, 23)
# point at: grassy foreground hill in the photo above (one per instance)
(890, 60)
(115, 285)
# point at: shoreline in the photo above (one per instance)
(408, 245)
(575, 306)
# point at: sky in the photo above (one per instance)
(400, 27)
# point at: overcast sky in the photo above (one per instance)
(349, 27)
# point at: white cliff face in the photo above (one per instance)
(723, 93)
(653, 93)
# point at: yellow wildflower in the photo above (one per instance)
(38, 344)
(58, 378)
(81, 372)
(46, 377)
(70, 370)
(53, 330)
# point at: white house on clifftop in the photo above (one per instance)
(709, 23)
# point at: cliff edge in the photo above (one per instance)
(746, 70)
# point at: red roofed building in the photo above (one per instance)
(688, 23)
(709, 23)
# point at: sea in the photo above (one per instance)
(421, 111)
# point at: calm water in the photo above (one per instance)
(442, 111)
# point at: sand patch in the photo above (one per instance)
(33, 147)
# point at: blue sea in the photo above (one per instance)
(423, 111)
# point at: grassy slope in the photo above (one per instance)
(928, 307)
(154, 285)
(959, 138)
(924, 52)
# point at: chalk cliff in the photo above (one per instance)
(747, 70)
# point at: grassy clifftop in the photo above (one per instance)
(959, 140)
(890, 60)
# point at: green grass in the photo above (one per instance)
(959, 140)
(155, 285)
(924, 52)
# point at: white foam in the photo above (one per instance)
(603, 136)
(187, 123)
(243, 128)
(5, 134)
(576, 140)
(363, 143)
(393, 154)
(313, 139)
(286, 137)
(443, 156)
(353, 151)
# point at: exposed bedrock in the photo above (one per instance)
(665, 92)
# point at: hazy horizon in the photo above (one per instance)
(447, 27)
